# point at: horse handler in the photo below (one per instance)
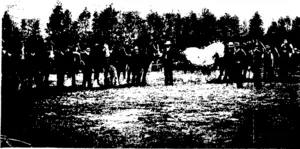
(168, 63)
(240, 56)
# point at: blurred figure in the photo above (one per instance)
(87, 69)
(268, 64)
(296, 60)
(167, 63)
(229, 61)
(257, 65)
(285, 61)
(136, 66)
(74, 58)
(240, 56)
(107, 52)
(7, 71)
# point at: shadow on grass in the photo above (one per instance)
(273, 123)
(22, 119)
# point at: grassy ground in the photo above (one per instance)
(192, 113)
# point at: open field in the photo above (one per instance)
(192, 113)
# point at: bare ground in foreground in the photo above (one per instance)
(191, 113)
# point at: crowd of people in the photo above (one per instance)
(267, 63)
(30, 69)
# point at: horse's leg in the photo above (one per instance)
(98, 81)
(73, 77)
(144, 76)
(221, 69)
(124, 72)
(114, 77)
(46, 79)
(128, 75)
(89, 79)
(38, 79)
(96, 76)
(118, 73)
(106, 79)
(84, 78)
(140, 73)
(133, 78)
(60, 78)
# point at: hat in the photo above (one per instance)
(230, 44)
(168, 43)
(237, 44)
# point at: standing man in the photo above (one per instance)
(296, 60)
(240, 56)
(285, 63)
(167, 63)
(107, 53)
(229, 61)
(136, 66)
(257, 64)
(87, 69)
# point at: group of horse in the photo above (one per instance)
(268, 63)
(32, 69)
(28, 69)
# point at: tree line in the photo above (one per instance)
(124, 28)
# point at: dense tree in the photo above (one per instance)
(207, 27)
(170, 24)
(118, 28)
(56, 27)
(156, 26)
(229, 28)
(244, 31)
(104, 24)
(256, 30)
(130, 24)
(189, 30)
(271, 36)
(178, 32)
(84, 26)
(70, 38)
(295, 32)
(11, 35)
(284, 27)
(35, 40)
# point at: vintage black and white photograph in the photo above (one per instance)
(150, 73)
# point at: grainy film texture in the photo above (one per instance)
(144, 74)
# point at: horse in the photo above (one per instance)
(120, 59)
(9, 77)
(28, 68)
(142, 58)
(74, 63)
(46, 66)
(225, 63)
(270, 55)
(102, 62)
(87, 69)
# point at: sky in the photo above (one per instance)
(244, 9)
